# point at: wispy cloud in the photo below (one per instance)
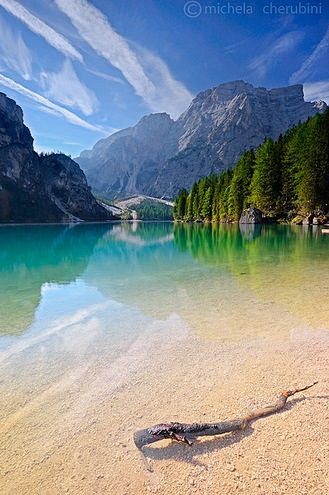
(14, 54)
(65, 87)
(107, 77)
(320, 53)
(281, 46)
(316, 91)
(96, 30)
(169, 95)
(40, 28)
(49, 105)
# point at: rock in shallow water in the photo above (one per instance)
(251, 215)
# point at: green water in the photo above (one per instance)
(149, 272)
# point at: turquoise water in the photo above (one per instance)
(199, 273)
(70, 295)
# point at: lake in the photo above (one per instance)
(108, 327)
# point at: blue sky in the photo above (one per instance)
(81, 69)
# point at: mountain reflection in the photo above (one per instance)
(220, 279)
(31, 256)
(215, 275)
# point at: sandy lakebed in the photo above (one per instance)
(77, 436)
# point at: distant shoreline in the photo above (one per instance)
(104, 222)
(178, 222)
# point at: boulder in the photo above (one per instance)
(320, 219)
(251, 215)
(308, 220)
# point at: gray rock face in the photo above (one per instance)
(159, 156)
(129, 160)
(37, 188)
(251, 216)
(308, 220)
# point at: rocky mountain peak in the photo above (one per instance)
(159, 156)
(154, 118)
(10, 108)
(12, 128)
(37, 188)
(156, 123)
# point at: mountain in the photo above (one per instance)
(159, 156)
(33, 188)
(129, 160)
(283, 180)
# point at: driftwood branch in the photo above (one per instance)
(187, 433)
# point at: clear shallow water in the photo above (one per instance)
(73, 295)
(82, 308)
(70, 296)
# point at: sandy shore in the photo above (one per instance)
(77, 437)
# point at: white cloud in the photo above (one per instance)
(66, 88)
(170, 95)
(107, 77)
(96, 30)
(320, 53)
(316, 91)
(49, 105)
(50, 111)
(14, 54)
(41, 28)
(283, 45)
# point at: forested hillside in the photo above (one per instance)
(286, 179)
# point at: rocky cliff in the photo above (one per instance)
(129, 160)
(159, 156)
(37, 188)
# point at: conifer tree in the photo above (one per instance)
(206, 210)
(265, 180)
(283, 178)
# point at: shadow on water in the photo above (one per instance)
(31, 256)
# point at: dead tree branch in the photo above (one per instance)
(187, 433)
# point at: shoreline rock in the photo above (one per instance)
(251, 215)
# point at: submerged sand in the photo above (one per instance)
(76, 436)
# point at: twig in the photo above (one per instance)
(185, 432)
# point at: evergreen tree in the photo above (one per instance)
(206, 211)
(284, 177)
(180, 205)
(240, 185)
(190, 204)
(196, 204)
(312, 189)
(266, 177)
